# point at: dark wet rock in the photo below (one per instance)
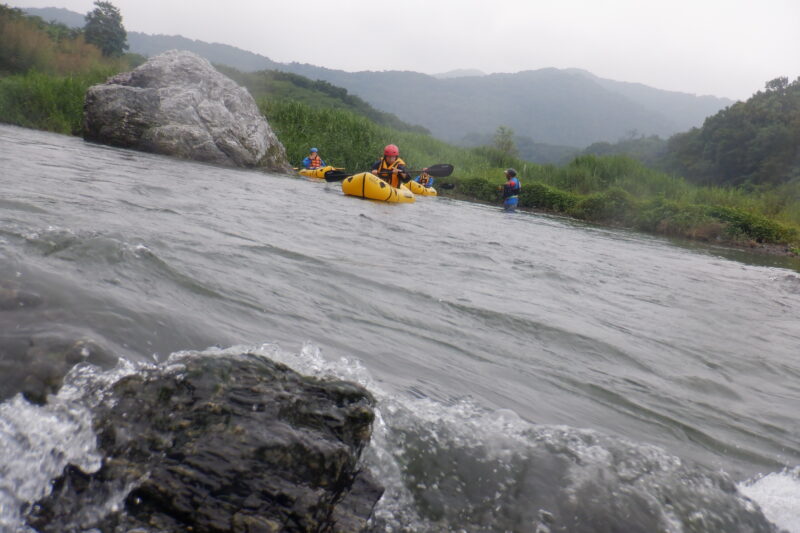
(178, 104)
(35, 364)
(12, 298)
(212, 444)
(35, 355)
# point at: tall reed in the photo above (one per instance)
(51, 103)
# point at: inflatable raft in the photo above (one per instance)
(368, 185)
(420, 189)
(320, 172)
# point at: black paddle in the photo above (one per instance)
(442, 170)
(336, 175)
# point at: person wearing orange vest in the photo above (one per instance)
(313, 160)
(424, 179)
(390, 168)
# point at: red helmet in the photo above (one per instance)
(391, 149)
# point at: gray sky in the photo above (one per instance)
(720, 47)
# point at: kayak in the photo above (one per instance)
(419, 189)
(316, 172)
(368, 185)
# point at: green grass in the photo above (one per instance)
(346, 139)
(41, 101)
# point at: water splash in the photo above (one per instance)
(777, 494)
(36, 443)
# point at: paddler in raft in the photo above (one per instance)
(424, 179)
(390, 168)
(313, 160)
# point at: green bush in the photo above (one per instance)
(753, 226)
(541, 196)
(614, 206)
(480, 189)
(667, 217)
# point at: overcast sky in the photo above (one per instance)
(724, 48)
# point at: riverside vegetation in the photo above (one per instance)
(45, 69)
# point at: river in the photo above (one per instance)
(494, 342)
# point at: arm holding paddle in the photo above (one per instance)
(390, 165)
(441, 170)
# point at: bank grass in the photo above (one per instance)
(351, 141)
(47, 102)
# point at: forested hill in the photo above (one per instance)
(750, 143)
(550, 106)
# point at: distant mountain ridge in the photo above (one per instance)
(569, 107)
(459, 73)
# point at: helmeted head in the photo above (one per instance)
(391, 150)
(313, 150)
(511, 173)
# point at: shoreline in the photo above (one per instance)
(764, 249)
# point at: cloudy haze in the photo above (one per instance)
(726, 48)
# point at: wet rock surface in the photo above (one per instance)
(34, 354)
(177, 104)
(213, 443)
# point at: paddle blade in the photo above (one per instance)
(336, 175)
(441, 170)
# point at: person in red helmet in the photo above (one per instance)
(390, 168)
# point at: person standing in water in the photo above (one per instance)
(511, 191)
(390, 168)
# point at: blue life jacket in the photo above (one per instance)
(425, 182)
(511, 188)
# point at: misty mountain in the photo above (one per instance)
(221, 54)
(552, 106)
(563, 107)
(460, 73)
(57, 14)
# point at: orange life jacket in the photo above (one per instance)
(424, 180)
(316, 161)
(389, 177)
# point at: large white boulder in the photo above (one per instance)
(178, 104)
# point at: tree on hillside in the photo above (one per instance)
(750, 144)
(778, 84)
(504, 141)
(104, 29)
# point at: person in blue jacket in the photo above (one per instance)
(424, 179)
(511, 190)
(313, 160)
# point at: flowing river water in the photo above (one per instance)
(513, 356)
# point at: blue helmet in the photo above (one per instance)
(313, 150)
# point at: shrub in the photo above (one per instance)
(542, 196)
(753, 226)
(480, 189)
(612, 206)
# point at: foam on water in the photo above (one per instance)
(778, 494)
(37, 442)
